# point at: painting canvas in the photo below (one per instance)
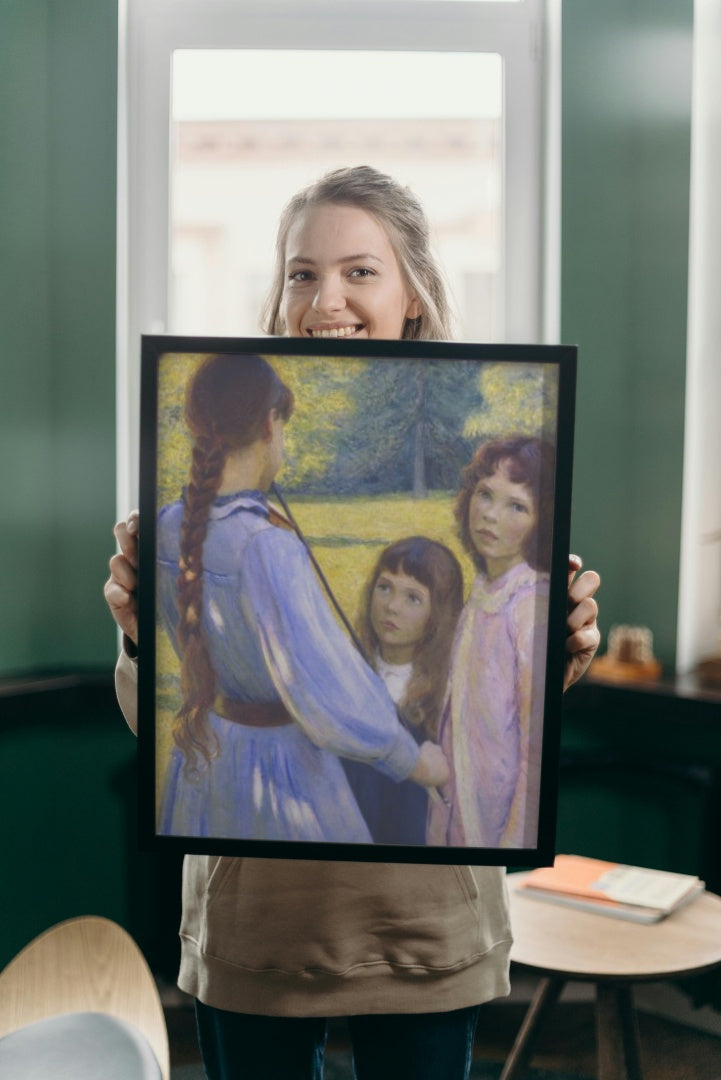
(352, 596)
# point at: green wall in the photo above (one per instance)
(58, 74)
(625, 167)
(626, 136)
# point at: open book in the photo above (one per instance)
(608, 888)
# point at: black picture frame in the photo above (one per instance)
(360, 407)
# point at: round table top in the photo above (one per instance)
(559, 940)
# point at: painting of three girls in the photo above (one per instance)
(426, 729)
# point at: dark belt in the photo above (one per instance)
(252, 713)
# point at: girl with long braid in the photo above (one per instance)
(273, 692)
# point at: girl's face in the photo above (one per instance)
(342, 277)
(501, 517)
(400, 611)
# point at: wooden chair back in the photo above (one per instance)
(87, 964)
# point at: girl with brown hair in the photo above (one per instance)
(409, 609)
(492, 725)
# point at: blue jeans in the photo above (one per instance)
(414, 1046)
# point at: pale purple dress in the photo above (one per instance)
(272, 637)
(492, 723)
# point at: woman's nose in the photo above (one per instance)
(329, 295)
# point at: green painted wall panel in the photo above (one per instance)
(82, 204)
(58, 76)
(69, 861)
(25, 400)
(626, 146)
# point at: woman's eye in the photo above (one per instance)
(361, 272)
(299, 276)
(382, 587)
(520, 508)
(414, 598)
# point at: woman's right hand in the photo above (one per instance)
(432, 767)
(121, 587)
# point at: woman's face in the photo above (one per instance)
(342, 277)
(501, 517)
(400, 611)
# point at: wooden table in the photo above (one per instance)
(562, 944)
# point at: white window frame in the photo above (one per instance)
(699, 598)
(525, 34)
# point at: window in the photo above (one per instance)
(231, 104)
(236, 159)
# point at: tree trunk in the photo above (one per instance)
(420, 489)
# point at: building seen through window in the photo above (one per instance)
(231, 175)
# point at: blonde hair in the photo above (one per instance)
(402, 216)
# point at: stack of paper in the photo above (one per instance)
(608, 888)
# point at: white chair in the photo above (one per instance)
(80, 1002)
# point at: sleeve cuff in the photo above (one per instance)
(402, 759)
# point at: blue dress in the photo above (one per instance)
(394, 813)
(271, 638)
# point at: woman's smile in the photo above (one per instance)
(335, 331)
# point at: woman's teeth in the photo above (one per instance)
(336, 332)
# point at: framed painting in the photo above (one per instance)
(352, 597)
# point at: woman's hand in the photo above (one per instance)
(431, 768)
(121, 587)
(583, 636)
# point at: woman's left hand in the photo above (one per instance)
(583, 636)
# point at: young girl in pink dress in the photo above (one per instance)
(492, 724)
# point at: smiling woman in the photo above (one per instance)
(331, 288)
(353, 259)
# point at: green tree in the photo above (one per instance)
(324, 404)
(520, 398)
(406, 432)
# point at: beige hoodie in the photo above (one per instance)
(284, 937)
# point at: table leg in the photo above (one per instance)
(617, 1033)
(545, 997)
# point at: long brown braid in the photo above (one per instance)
(227, 404)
